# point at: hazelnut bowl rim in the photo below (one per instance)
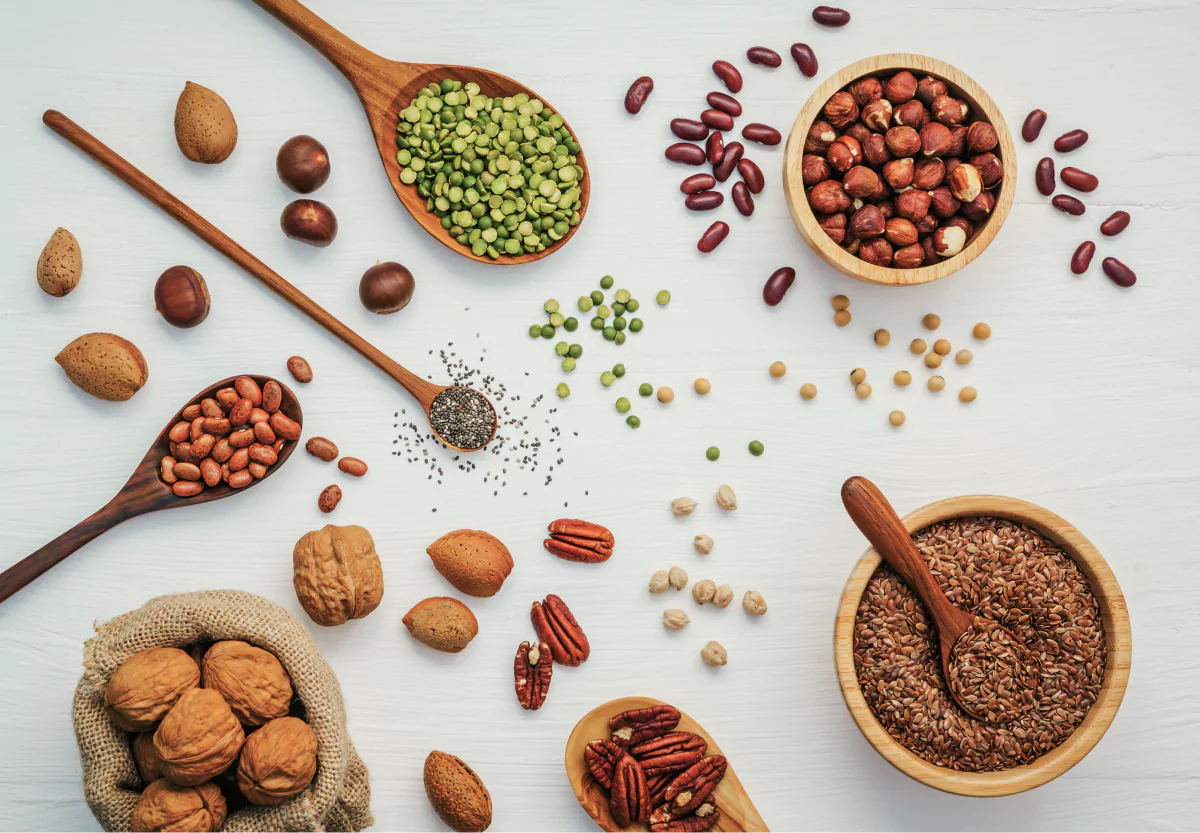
(1113, 614)
(796, 194)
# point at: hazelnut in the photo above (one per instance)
(951, 162)
(882, 191)
(814, 169)
(309, 221)
(878, 115)
(302, 164)
(911, 113)
(704, 591)
(835, 227)
(888, 209)
(820, 136)
(866, 90)
(949, 111)
(968, 229)
(660, 581)
(901, 87)
(979, 208)
(928, 174)
(859, 131)
(876, 251)
(714, 654)
(675, 619)
(754, 603)
(901, 232)
(929, 88)
(386, 288)
(844, 153)
(868, 222)
(899, 172)
(927, 224)
(851, 245)
(965, 182)
(942, 203)
(677, 578)
(903, 141)
(913, 205)
(958, 140)
(927, 247)
(828, 197)
(181, 297)
(840, 110)
(935, 139)
(949, 241)
(860, 181)
(875, 150)
(909, 257)
(981, 137)
(991, 170)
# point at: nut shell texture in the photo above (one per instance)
(149, 765)
(198, 739)
(475, 562)
(278, 761)
(60, 265)
(166, 806)
(204, 125)
(337, 574)
(147, 685)
(104, 365)
(457, 793)
(442, 623)
(251, 680)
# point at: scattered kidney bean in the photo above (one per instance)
(830, 16)
(1082, 259)
(352, 466)
(1117, 272)
(329, 498)
(299, 368)
(778, 284)
(1070, 205)
(713, 236)
(689, 129)
(1033, 125)
(1079, 180)
(1071, 140)
(725, 102)
(763, 56)
(639, 91)
(696, 183)
(717, 119)
(733, 154)
(1044, 176)
(742, 199)
(686, 153)
(752, 174)
(805, 58)
(729, 75)
(764, 134)
(704, 201)
(714, 148)
(1114, 225)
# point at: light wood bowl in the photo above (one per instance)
(1113, 614)
(962, 86)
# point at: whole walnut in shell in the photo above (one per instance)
(199, 738)
(147, 685)
(149, 765)
(278, 761)
(167, 806)
(251, 680)
(337, 574)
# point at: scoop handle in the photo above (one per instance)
(348, 56)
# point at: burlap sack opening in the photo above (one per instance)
(338, 799)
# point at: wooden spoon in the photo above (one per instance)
(422, 390)
(386, 87)
(144, 492)
(878, 521)
(737, 810)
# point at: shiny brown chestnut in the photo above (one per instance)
(309, 221)
(386, 288)
(181, 297)
(302, 164)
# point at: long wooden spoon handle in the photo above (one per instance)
(420, 388)
(36, 563)
(353, 60)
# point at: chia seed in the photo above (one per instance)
(462, 417)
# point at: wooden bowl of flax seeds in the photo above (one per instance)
(1026, 568)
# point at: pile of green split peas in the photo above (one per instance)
(501, 173)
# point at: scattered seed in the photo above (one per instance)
(902, 378)
(666, 395)
(841, 318)
(896, 418)
(942, 347)
(883, 338)
(663, 297)
(967, 394)
(963, 357)
(713, 453)
(933, 360)
(777, 370)
(702, 386)
(756, 448)
(931, 321)
(917, 347)
(563, 390)
(936, 384)
(982, 331)
(645, 389)
(857, 375)
(840, 302)
(808, 391)
(863, 390)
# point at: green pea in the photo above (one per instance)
(606, 282)
(597, 323)
(607, 378)
(571, 325)
(663, 297)
(568, 364)
(645, 389)
(619, 323)
(535, 330)
(547, 331)
(635, 326)
(575, 351)
(622, 295)
(609, 333)
(557, 319)
(618, 370)
(713, 452)
(562, 390)
(585, 303)
(619, 338)
(623, 405)
(618, 308)
(604, 311)
(632, 305)
(597, 297)
(756, 448)
(633, 422)
(561, 348)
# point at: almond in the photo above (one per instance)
(457, 793)
(204, 125)
(60, 264)
(475, 562)
(104, 365)
(442, 623)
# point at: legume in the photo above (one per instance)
(575, 351)
(777, 370)
(840, 302)
(606, 282)
(568, 364)
(883, 338)
(561, 348)
(535, 330)
(967, 394)
(633, 422)
(663, 297)
(942, 347)
(902, 378)
(571, 325)
(645, 389)
(933, 360)
(808, 391)
(936, 384)
(635, 326)
(623, 405)
(863, 390)
(666, 395)
(618, 370)
(584, 303)
(982, 331)
(841, 317)
(917, 347)
(562, 390)
(896, 418)
(607, 378)
(857, 375)
(963, 357)
(702, 386)
(597, 297)
(756, 448)
(713, 453)
(931, 321)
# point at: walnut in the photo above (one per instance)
(198, 738)
(149, 765)
(251, 680)
(278, 761)
(337, 574)
(147, 685)
(166, 806)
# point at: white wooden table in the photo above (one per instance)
(1088, 395)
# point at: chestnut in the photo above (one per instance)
(309, 222)
(302, 164)
(386, 288)
(181, 297)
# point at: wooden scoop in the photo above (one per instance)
(737, 810)
(386, 87)
(144, 492)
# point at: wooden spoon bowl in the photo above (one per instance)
(386, 87)
(737, 810)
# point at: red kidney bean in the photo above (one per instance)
(1118, 272)
(689, 129)
(729, 75)
(778, 284)
(713, 236)
(1071, 140)
(714, 148)
(733, 154)
(1115, 224)
(704, 201)
(1070, 205)
(1044, 176)
(764, 134)
(1082, 259)
(696, 183)
(763, 56)
(725, 102)
(639, 91)
(742, 199)
(1033, 125)
(1079, 180)
(752, 174)
(830, 16)
(805, 58)
(686, 152)
(717, 119)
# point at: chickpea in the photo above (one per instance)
(704, 591)
(841, 318)
(677, 578)
(675, 619)
(754, 603)
(660, 581)
(982, 331)
(936, 384)
(777, 370)
(933, 360)
(808, 391)
(714, 654)
(857, 375)
(902, 378)
(963, 357)
(863, 390)
(917, 347)
(666, 395)
(896, 418)
(967, 394)
(931, 321)
(702, 386)
(840, 302)
(883, 338)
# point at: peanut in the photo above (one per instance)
(322, 449)
(352, 466)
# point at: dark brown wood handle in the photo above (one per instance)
(349, 57)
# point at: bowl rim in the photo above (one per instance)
(1114, 615)
(797, 199)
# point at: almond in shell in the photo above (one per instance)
(104, 365)
(457, 793)
(60, 265)
(475, 562)
(442, 623)
(204, 125)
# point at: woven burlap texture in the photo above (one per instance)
(338, 799)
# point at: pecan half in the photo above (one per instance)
(556, 627)
(657, 785)
(636, 725)
(531, 674)
(692, 787)
(705, 818)
(601, 756)
(579, 541)
(628, 799)
(670, 752)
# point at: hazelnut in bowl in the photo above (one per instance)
(899, 170)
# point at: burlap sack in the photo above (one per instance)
(339, 797)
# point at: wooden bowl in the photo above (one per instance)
(961, 86)
(1113, 614)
